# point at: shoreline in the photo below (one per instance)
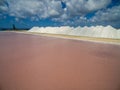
(71, 37)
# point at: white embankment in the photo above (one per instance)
(93, 31)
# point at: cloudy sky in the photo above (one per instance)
(29, 13)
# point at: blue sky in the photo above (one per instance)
(29, 13)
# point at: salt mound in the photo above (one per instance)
(93, 31)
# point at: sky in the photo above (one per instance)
(43, 13)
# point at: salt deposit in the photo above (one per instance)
(93, 31)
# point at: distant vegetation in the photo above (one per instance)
(6, 29)
(13, 28)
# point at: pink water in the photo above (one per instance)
(32, 62)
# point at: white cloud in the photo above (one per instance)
(40, 8)
(17, 19)
(53, 8)
(82, 7)
(73, 13)
(110, 14)
(107, 16)
(3, 6)
(97, 4)
(79, 8)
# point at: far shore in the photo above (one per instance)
(84, 38)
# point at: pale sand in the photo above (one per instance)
(84, 38)
(34, 62)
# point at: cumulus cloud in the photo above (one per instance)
(3, 6)
(38, 8)
(108, 16)
(92, 5)
(75, 8)
(82, 7)
(53, 8)
(69, 12)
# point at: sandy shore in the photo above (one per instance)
(34, 62)
(83, 38)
